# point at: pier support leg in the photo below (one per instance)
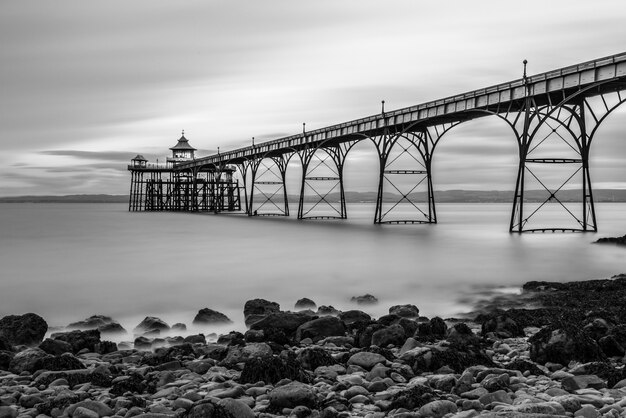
(322, 175)
(268, 185)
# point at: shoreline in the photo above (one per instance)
(556, 349)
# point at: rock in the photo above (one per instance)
(458, 360)
(499, 396)
(313, 357)
(99, 408)
(412, 398)
(461, 335)
(255, 309)
(209, 316)
(611, 347)
(8, 412)
(587, 411)
(574, 383)
(438, 327)
(28, 329)
(291, 395)
(437, 409)
(149, 324)
(288, 322)
(65, 361)
(366, 359)
(502, 326)
(82, 412)
(405, 311)
(26, 361)
(562, 345)
(320, 328)
(305, 303)
(205, 408)
(55, 347)
(179, 327)
(366, 299)
(273, 369)
(142, 343)
(93, 322)
(237, 408)
(112, 329)
(393, 335)
(353, 316)
(327, 310)
(195, 339)
(241, 354)
(79, 340)
(496, 382)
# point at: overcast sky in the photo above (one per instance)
(86, 85)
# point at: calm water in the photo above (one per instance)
(69, 261)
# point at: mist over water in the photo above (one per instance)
(69, 261)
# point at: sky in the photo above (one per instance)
(87, 85)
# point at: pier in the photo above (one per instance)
(566, 105)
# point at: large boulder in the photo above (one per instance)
(55, 347)
(562, 345)
(320, 328)
(28, 329)
(150, 324)
(65, 361)
(393, 334)
(241, 354)
(93, 322)
(26, 361)
(80, 340)
(255, 309)
(208, 316)
(354, 316)
(273, 369)
(288, 322)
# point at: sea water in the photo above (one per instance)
(69, 261)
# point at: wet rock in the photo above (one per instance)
(461, 335)
(237, 408)
(499, 396)
(366, 359)
(412, 398)
(207, 316)
(80, 340)
(502, 326)
(26, 361)
(206, 408)
(327, 310)
(273, 369)
(562, 345)
(313, 357)
(195, 339)
(288, 322)
(291, 395)
(5, 359)
(55, 347)
(366, 299)
(438, 326)
(458, 360)
(241, 354)
(437, 409)
(573, 383)
(65, 361)
(255, 309)
(393, 335)
(93, 322)
(320, 328)
(99, 377)
(149, 324)
(179, 327)
(354, 316)
(28, 329)
(142, 343)
(112, 329)
(305, 303)
(99, 408)
(405, 311)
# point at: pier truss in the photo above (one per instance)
(205, 189)
(553, 116)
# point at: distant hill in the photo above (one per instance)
(441, 196)
(74, 198)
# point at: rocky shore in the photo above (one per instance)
(557, 350)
